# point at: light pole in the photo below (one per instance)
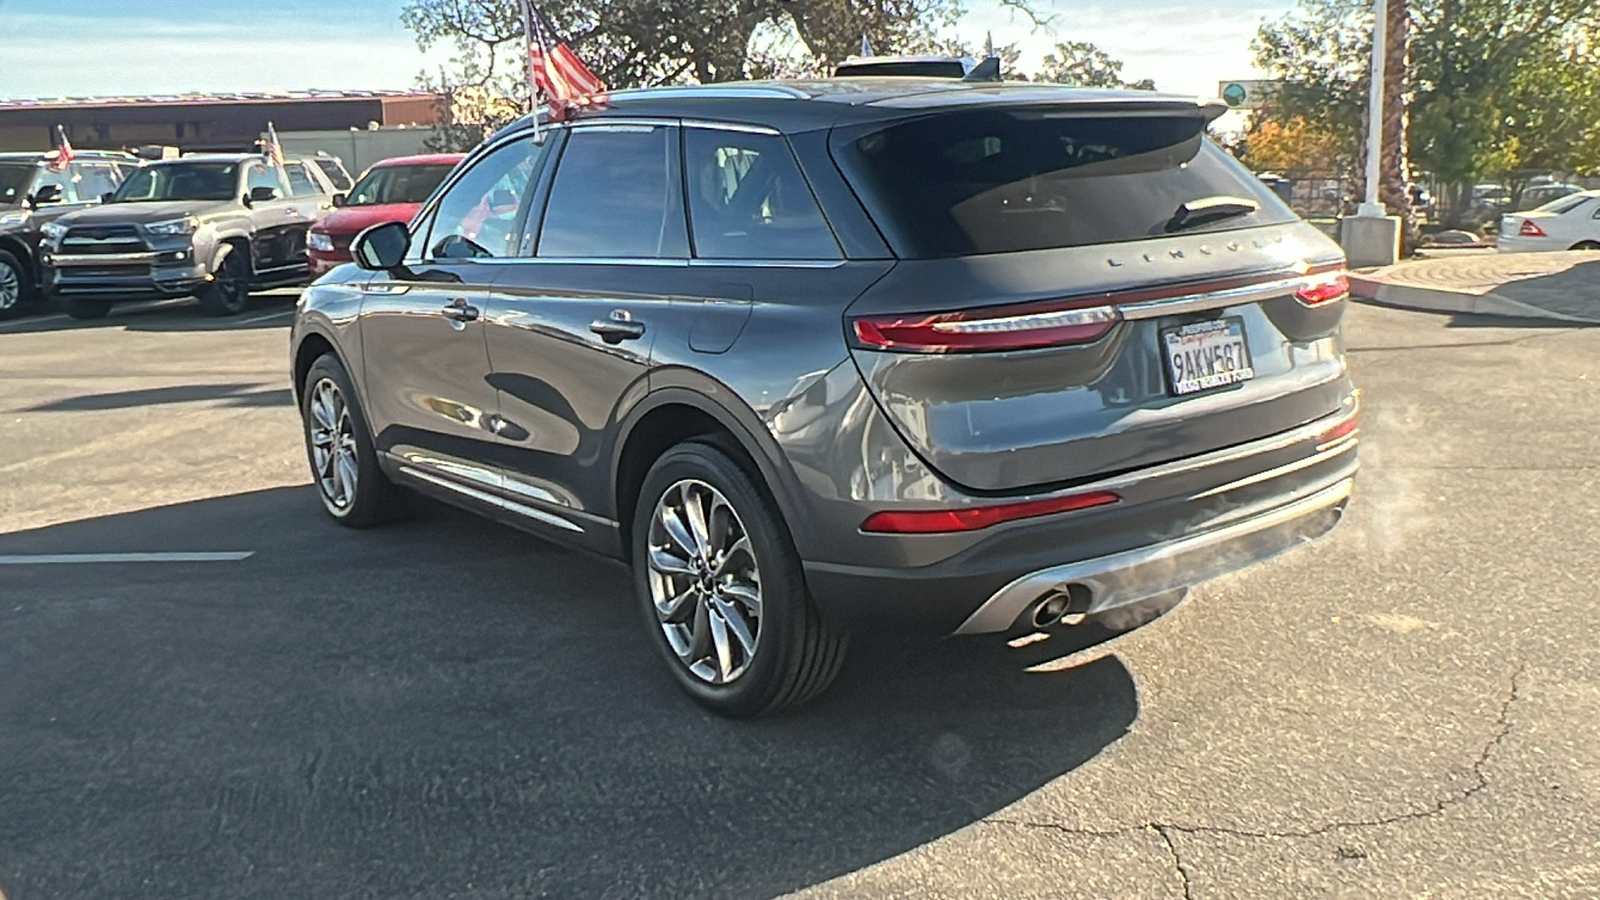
(1371, 207)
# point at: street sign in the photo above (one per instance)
(1245, 93)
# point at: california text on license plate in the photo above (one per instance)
(1207, 355)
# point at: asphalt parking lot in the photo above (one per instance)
(448, 709)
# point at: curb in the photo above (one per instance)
(1405, 296)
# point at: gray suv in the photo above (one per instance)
(818, 357)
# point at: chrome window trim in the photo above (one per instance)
(678, 262)
(700, 261)
(710, 125)
(621, 122)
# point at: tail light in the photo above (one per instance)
(1320, 289)
(968, 331)
(973, 518)
(1338, 432)
(1531, 228)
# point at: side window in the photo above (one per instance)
(748, 200)
(613, 196)
(61, 179)
(300, 183)
(478, 216)
(258, 175)
(95, 179)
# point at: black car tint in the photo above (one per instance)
(999, 180)
(748, 200)
(611, 195)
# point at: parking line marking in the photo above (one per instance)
(33, 559)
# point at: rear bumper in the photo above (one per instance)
(1108, 582)
(1180, 524)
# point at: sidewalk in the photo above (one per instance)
(1563, 286)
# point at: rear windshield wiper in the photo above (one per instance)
(1209, 209)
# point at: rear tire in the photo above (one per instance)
(14, 285)
(344, 464)
(721, 588)
(228, 292)
(84, 308)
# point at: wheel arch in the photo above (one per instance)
(19, 248)
(670, 415)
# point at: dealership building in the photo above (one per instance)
(206, 122)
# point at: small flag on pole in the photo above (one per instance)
(988, 45)
(270, 148)
(63, 154)
(555, 73)
(866, 47)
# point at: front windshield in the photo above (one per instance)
(14, 181)
(180, 181)
(397, 184)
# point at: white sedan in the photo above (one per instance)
(1570, 223)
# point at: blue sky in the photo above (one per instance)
(51, 48)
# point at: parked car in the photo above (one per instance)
(1568, 223)
(390, 191)
(1537, 196)
(216, 226)
(818, 357)
(33, 194)
(306, 179)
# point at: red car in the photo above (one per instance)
(390, 191)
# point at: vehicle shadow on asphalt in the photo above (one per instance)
(247, 394)
(267, 310)
(1574, 291)
(445, 707)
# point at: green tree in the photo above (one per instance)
(1498, 87)
(1082, 63)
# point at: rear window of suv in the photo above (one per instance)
(1003, 180)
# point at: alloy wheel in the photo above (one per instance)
(10, 286)
(333, 445)
(704, 581)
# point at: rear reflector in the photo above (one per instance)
(977, 330)
(937, 521)
(1320, 289)
(1343, 429)
(1531, 228)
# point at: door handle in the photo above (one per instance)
(618, 328)
(460, 310)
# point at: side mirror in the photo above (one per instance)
(340, 199)
(381, 247)
(50, 193)
(106, 197)
(263, 195)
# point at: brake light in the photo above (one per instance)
(1007, 328)
(1322, 289)
(973, 518)
(1531, 229)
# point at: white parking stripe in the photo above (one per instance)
(33, 559)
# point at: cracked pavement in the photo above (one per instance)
(445, 708)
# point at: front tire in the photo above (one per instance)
(344, 465)
(722, 590)
(13, 285)
(228, 292)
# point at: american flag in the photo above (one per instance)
(554, 71)
(270, 148)
(63, 154)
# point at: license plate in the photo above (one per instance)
(1207, 355)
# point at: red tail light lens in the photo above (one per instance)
(1531, 228)
(1343, 429)
(1320, 289)
(939, 521)
(970, 331)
